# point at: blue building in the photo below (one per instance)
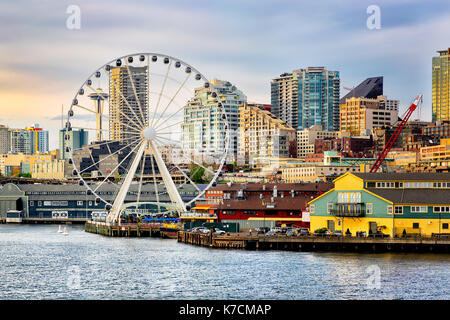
(307, 97)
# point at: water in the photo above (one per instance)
(38, 263)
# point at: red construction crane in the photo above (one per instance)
(394, 137)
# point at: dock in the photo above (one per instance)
(315, 243)
(129, 230)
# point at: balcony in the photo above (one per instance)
(348, 210)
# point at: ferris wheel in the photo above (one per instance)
(150, 119)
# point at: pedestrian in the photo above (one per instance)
(250, 232)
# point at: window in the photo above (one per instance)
(329, 207)
(445, 226)
(389, 209)
(31, 203)
(249, 212)
(312, 208)
(349, 197)
(415, 225)
(79, 203)
(418, 209)
(369, 208)
(441, 209)
(398, 210)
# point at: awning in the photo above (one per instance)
(203, 207)
(274, 219)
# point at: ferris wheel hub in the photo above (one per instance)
(149, 133)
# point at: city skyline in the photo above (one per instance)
(223, 40)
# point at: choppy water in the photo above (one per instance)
(38, 263)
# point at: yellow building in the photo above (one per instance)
(357, 115)
(53, 169)
(436, 155)
(403, 158)
(389, 204)
(261, 136)
(441, 86)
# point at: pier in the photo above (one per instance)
(316, 243)
(129, 230)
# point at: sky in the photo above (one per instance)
(247, 42)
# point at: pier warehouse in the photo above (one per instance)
(389, 204)
(264, 205)
(70, 201)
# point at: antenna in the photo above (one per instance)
(62, 115)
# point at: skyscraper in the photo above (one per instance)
(5, 139)
(125, 109)
(202, 127)
(441, 86)
(40, 138)
(22, 141)
(307, 97)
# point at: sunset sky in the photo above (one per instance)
(43, 63)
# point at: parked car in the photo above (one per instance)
(303, 232)
(262, 230)
(337, 233)
(290, 233)
(270, 233)
(219, 232)
(276, 229)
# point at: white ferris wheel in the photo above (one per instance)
(149, 118)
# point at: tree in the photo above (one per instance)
(197, 174)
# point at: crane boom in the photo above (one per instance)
(397, 132)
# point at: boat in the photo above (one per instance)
(65, 231)
(59, 229)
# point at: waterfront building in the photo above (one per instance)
(390, 204)
(202, 127)
(74, 139)
(307, 97)
(370, 88)
(261, 135)
(258, 205)
(48, 202)
(306, 139)
(123, 103)
(358, 115)
(5, 139)
(441, 86)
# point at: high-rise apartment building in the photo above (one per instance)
(5, 139)
(203, 127)
(22, 141)
(441, 86)
(307, 97)
(126, 107)
(75, 139)
(262, 135)
(40, 138)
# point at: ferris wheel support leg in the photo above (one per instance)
(118, 202)
(170, 185)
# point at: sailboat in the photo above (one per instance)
(65, 231)
(59, 229)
